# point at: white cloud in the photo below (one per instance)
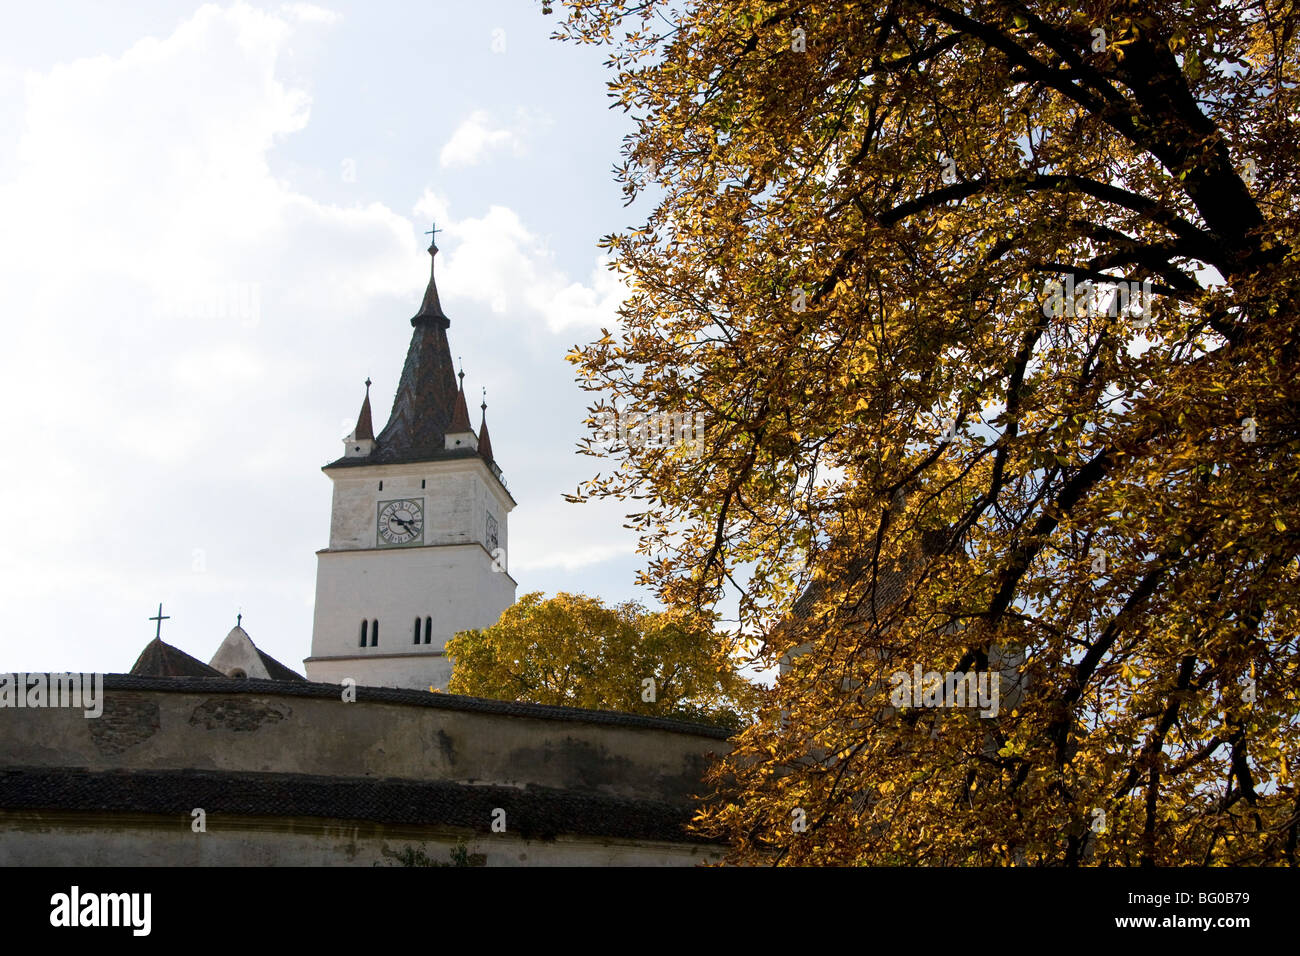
(310, 13)
(474, 139)
(497, 261)
(478, 137)
(182, 316)
(573, 559)
(431, 206)
(590, 306)
(165, 278)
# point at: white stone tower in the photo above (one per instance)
(418, 534)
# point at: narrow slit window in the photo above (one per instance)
(363, 634)
(374, 633)
(416, 637)
(428, 629)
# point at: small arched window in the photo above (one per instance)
(428, 629)
(363, 634)
(374, 633)
(238, 673)
(416, 636)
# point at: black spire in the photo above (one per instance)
(425, 402)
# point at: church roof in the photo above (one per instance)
(238, 650)
(364, 429)
(426, 393)
(429, 402)
(159, 659)
(889, 585)
(431, 308)
(879, 586)
(484, 442)
(277, 670)
(460, 414)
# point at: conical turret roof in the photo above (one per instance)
(484, 442)
(425, 402)
(365, 428)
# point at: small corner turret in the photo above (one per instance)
(362, 440)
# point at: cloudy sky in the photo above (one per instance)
(212, 234)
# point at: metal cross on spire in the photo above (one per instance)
(160, 618)
(433, 233)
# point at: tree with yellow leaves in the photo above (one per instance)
(991, 311)
(575, 651)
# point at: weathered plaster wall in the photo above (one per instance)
(264, 731)
(258, 727)
(81, 839)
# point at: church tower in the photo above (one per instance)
(418, 540)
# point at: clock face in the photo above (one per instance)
(401, 522)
